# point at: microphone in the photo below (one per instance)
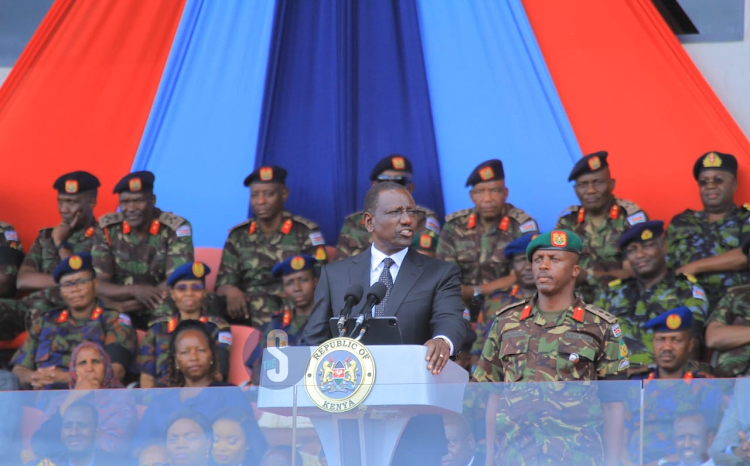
(374, 295)
(352, 297)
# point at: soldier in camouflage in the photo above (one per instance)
(42, 361)
(474, 239)
(599, 221)
(554, 336)
(11, 256)
(136, 249)
(256, 245)
(354, 237)
(654, 290)
(299, 276)
(187, 301)
(706, 243)
(675, 394)
(524, 289)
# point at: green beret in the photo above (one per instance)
(563, 240)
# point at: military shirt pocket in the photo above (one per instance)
(514, 349)
(467, 255)
(576, 357)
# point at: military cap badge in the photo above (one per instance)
(75, 262)
(712, 160)
(647, 235)
(398, 163)
(198, 270)
(595, 163)
(71, 186)
(298, 263)
(487, 173)
(559, 239)
(266, 174)
(135, 184)
(674, 321)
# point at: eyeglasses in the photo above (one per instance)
(80, 281)
(193, 287)
(403, 180)
(717, 181)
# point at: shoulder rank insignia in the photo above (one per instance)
(96, 313)
(125, 228)
(614, 212)
(526, 312)
(154, 230)
(253, 226)
(63, 317)
(581, 215)
(578, 314)
(321, 254)
(514, 290)
(691, 278)
(203, 319)
(504, 223)
(287, 226)
(615, 283)
(472, 222)
(89, 232)
(171, 324)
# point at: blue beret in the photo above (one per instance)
(135, 182)
(189, 271)
(293, 264)
(267, 174)
(590, 163)
(675, 320)
(76, 182)
(715, 161)
(641, 232)
(489, 170)
(392, 162)
(73, 264)
(518, 245)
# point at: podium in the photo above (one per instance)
(366, 435)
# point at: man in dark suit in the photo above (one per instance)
(423, 293)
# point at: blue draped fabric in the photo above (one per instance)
(202, 132)
(346, 86)
(492, 97)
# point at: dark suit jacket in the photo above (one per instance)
(426, 298)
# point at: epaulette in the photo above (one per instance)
(604, 315)
(171, 220)
(569, 210)
(629, 206)
(218, 321)
(308, 223)
(355, 214)
(511, 306)
(111, 219)
(615, 283)
(458, 214)
(518, 214)
(159, 320)
(246, 222)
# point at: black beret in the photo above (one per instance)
(73, 264)
(590, 163)
(135, 182)
(392, 162)
(641, 232)
(267, 174)
(10, 256)
(76, 182)
(715, 161)
(486, 171)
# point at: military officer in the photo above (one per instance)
(256, 245)
(599, 221)
(187, 298)
(474, 239)
(11, 316)
(299, 276)
(706, 243)
(43, 358)
(136, 249)
(354, 237)
(11, 255)
(654, 290)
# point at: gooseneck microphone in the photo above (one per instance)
(352, 297)
(374, 295)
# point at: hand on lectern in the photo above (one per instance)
(438, 352)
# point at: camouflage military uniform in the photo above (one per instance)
(633, 306)
(600, 249)
(733, 309)
(550, 423)
(11, 314)
(354, 237)
(249, 256)
(154, 349)
(691, 236)
(118, 252)
(494, 303)
(55, 334)
(9, 237)
(478, 253)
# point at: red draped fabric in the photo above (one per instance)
(629, 87)
(78, 99)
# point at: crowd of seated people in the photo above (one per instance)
(87, 286)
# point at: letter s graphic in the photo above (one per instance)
(281, 372)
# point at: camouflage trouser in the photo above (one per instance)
(550, 423)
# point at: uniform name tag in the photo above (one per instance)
(579, 336)
(516, 333)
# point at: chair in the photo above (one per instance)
(212, 258)
(244, 341)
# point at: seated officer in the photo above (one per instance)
(12, 318)
(425, 243)
(654, 290)
(676, 392)
(76, 199)
(524, 288)
(299, 276)
(474, 239)
(706, 243)
(11, 255)
(354, 237)
(256, 245)
(43, 358)
(136, 249)
(187, 299)
(600, 220)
